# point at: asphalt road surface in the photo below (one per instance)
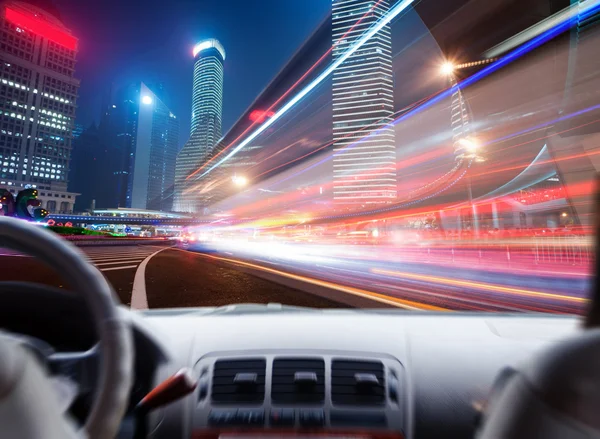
(174, 278)
(117, 263)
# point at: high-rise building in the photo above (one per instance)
(37, 103)
(131, 155)
(146, 136)
(153, 178)
(207, 108)
(364, 161)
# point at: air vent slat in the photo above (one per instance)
(226, 390)
(286, 386)
(348, 389)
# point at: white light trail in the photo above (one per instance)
(569, 13)
(393, 13)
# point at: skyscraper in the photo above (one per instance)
(364, 161)
(207, 108)
(133, 152)
(37, 103)
(155, 154)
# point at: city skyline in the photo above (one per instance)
(125, 55)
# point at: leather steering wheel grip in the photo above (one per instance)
(113, 326)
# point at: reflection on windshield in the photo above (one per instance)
(422, 155)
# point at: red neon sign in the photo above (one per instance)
(42, 28)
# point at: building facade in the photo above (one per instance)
(364, 161)
(153, 178)
(38, 93)
(207, 108)
(128, 161)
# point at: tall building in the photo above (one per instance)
(38, 93)
(85, 175)
(153, 178)
(364, 161)
(129, 160)
(207, 108)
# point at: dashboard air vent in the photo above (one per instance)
(355, 382)
(298, 380)
(236, 381)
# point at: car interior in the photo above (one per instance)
(77, 364)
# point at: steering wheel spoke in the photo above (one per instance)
(79, 367)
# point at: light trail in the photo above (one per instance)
(382, 298)
(289, 90)
(395, 11)
(479, 286)
(546, 124)
(502, 62)
(362, 129)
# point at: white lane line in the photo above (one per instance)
(118, 268)
(139, 299)
(116, 258)
(120, 262)
(100, 255)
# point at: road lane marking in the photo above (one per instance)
(139, 299)
(382, 298)
(123, 258)
(111, 254)
(119, 262)
(118, 268)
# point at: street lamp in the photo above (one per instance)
(447, 68)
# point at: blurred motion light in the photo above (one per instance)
(471, 146)
(447, 68)
(146, 100)
(239, 180)
(260, 116)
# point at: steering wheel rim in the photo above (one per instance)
(112, 325)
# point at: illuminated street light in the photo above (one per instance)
(447, 68)
(239, 180)
(564, 214)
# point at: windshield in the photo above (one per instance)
(435, 155)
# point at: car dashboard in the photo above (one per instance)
(275, 371)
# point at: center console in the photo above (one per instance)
(307, 394)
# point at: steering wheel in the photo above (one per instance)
(112, 326)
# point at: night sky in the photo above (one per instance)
(122, 41)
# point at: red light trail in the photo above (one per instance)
(282, 97)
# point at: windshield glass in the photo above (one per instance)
(435, 155)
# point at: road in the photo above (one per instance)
(174, 278)
(317, 277)
(117, 263)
